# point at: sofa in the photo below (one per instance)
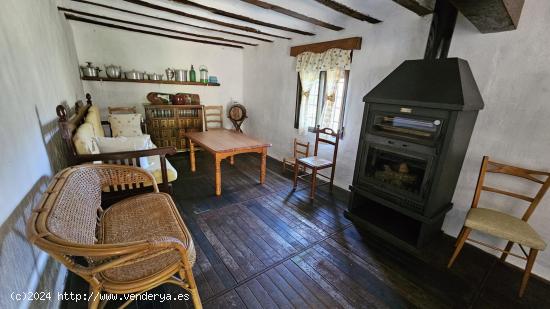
(81, 130)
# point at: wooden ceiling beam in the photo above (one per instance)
(241, 17)
(420, 7)
(115, 26)
(206, 19)
(173, 21)
(321, 47)
(348, 11)
(282, 10)
(152, 26)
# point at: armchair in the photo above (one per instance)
(133, 246)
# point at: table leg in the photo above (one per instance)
(232, 160)
(218, 176)
(192, 155)
(262, 167)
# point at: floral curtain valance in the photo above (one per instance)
(332, 59)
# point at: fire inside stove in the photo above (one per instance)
(396, 170)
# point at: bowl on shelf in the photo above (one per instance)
(134, 75)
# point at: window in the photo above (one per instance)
(320, 100)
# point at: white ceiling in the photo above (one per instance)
(380, 9)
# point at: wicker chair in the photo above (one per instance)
(131, 247)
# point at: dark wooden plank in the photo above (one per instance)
(285, 11)
(346, 285)
(334, 293)
(241, 17)
(277, 225)
(154, 27)
(441, 283)
(349, 43)
(260, 247)
(248, 297)
(212, 257)
(223, 253)
(205, 19)
(229, 300)
(337, 6)
(261, 295)
(362, 277)
(414, 293)
(307, 229)
(248, 263)
(261, 250)
(214, 282)
(420, 7)
(300, 288)
(172, 21)
(263, 230)
(294, 298)
(174, 37)
(278, 297)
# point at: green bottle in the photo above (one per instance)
(192, 75)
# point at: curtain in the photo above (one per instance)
(331, 59)
(327, 112)
(308, 79)
(309, 65)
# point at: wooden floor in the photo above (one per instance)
(266, 247)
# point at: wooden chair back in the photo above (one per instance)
(122, 110)
(69, 124)
(319, 139)
(539, 177)
(301, 149)
(213, 117)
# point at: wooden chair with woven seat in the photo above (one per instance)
(514, 230)
(299, 150)
(213, 117)
(133, 246)
(316, 163)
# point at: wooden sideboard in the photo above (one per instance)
(167, 124)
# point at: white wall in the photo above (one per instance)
(511, 69)
(104, 46)
(38, 71)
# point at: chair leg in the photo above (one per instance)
(296, 168)
(509, 246)
(459, 236)
(332, 177)
(187, 275)
(313, 183)
(460, 243)
(530, 262)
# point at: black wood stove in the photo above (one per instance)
(417, 124)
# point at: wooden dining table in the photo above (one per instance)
(223, 144)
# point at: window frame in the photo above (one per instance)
(321, 99)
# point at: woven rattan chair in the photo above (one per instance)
(135, 245)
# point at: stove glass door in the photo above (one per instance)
(396, 171)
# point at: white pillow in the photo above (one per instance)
(125, 124)
(123, 143)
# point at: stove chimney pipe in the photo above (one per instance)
(441, 30)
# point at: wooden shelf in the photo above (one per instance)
(146, 81)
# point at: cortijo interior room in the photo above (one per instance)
(274, 153)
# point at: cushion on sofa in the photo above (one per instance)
(125, 124)
(123, 143)
(94, 118)
(84, 140)
(153, 167)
